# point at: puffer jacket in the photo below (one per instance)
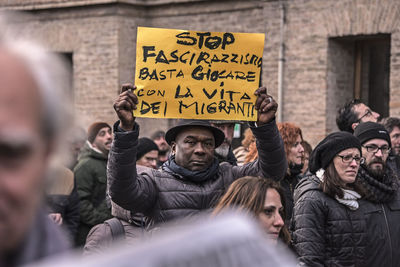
(91, 184)
(383, 232)
(163, 196)
(325, 232)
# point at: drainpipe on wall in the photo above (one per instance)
(281, 61)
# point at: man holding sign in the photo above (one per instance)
(191, 180)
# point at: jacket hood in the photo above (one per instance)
(308, 183)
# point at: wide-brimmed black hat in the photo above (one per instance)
(171, 134)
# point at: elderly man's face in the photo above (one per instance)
(23, 151)
(194, 148)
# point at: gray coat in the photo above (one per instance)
(163, 196)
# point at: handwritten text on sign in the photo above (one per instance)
(197, 75)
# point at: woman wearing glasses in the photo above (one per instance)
(328, 226)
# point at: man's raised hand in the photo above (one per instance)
(265, 105)
(124, 106)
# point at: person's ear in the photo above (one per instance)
(354, 125)
(173, 148)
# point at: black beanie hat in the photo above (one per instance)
(328, 148)
(370, 130)
(94, 130)
(145, 146)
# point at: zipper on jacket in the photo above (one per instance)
(390, 239)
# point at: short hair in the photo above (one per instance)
(48, 71)
(248, 194)
(289, 132)
(346, 116)
(390, 122)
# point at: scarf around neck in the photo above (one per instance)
(378, 191)
(194, 176)
(349, 198)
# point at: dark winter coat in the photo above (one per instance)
(163, 195)
(383, 231)
(91, 184)
(43, 239)
(288, 184)
(325, 232)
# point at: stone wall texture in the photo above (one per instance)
(101, 36)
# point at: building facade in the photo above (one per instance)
(318, 53)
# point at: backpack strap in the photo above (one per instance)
(117, 229)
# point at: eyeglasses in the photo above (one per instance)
(367, 114)
(349, 158)
(374, 149)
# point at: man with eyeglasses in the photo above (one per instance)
(382, 198)
(354, 113)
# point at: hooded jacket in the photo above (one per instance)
(91, 184)
(162, 195)
(325, 232)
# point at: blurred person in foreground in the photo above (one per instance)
(229, 239)
(192, 179)
(328, 225)
(261, 198)
(292, 138)
(33, 115)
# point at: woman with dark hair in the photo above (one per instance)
(292, 138)
(261, 198)
(328, 228)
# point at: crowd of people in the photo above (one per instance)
(335, 205)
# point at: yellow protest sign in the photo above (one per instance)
(197, 75)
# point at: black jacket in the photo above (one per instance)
(383, 231)
(288, 184)
(325, 232)
(162, 195)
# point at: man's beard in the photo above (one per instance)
(377, 173)
(223, 150)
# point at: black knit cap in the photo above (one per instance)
(145, 146)
(171, 134)
(328, 148)
(370, 130)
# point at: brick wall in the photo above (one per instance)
(101, 35)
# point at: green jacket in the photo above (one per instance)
(91, 183)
